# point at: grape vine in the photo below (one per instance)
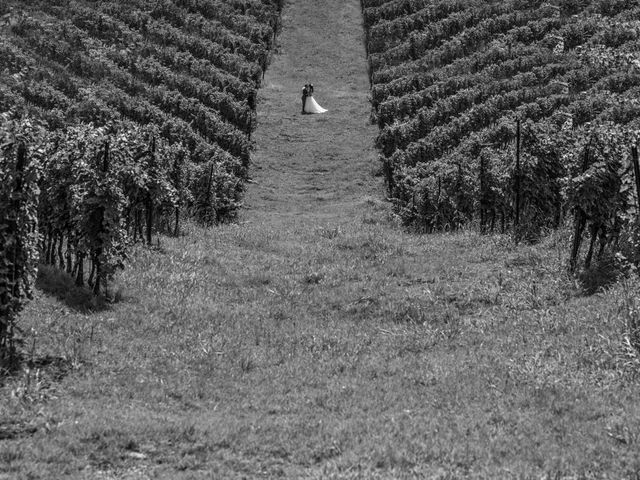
(118, 120)
(487, 111)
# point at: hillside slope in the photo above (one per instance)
(190, 68)
(317, 339)
(318, 165)
(453, 80)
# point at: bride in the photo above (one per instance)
(310, 104)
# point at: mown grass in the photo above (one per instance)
(358, 352)
(317, 339)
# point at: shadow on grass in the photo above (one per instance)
(603, 274)
(55, 366)
(28, 379)
(12, 430)
(28, 373)
(61, 285)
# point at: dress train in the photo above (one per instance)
(311, 106)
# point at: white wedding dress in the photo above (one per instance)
(311, 106)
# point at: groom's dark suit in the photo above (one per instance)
(305, 94)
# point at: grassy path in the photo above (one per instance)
(315, 339)
(314, 168)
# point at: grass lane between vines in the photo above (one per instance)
(238, 351)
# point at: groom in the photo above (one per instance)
(305, 94)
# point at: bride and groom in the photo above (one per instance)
(309, 104)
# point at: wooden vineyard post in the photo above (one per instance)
(68, 255)
(459, 194)
(207, 217)
(516, 222)
(80, 269)
(636, 171)
(61, 263)
(176, 228)
(178, 184)
(149, 201)
(483, 196)
(580, 221)
(48, 244)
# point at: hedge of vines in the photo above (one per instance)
(117, 120)
(80, 197)
(509, 115)
(190, 67)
